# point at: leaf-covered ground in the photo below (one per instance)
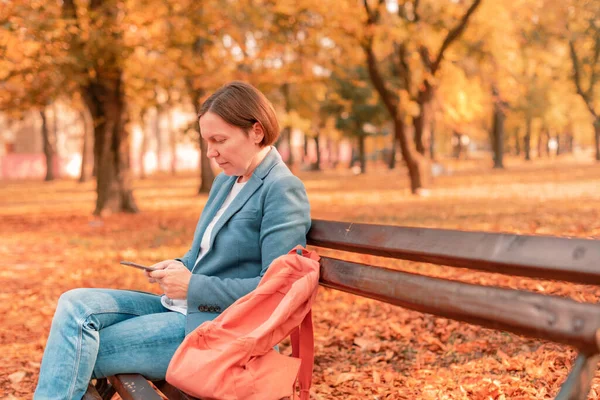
(51, 243)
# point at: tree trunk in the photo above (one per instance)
(48, 147)
(418, 166)
(517, 142)
(431, 138)
(498, 135)
(422, 122)
(85, 151)
(569, 142)
(94, 144)
(158, 136)
(105, 98)
(456, 144)
(305, 147)
(317, 166)
(527, 139)
(597, 137)
(144, 145)
(287, 130)
(361, 152)
(207, 175)
(332, 152)
(392, 160)
(559, 147)
(172, 142)
(287, 135)
(540, 143)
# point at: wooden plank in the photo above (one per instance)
(172, 392)
(573, 260)
(134, 387)
(541, 316)
(578, 383)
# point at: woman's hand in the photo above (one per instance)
(160, 265)
(174, 279)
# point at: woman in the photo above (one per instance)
(256, 211)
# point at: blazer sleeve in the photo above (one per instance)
(285, 223)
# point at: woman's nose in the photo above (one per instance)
(211, 152)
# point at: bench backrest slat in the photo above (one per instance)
(542, 316)
(573, 260)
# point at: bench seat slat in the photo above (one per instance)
(542, 316)
(572, 260)
(133, 387)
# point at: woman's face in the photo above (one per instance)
(229, 145)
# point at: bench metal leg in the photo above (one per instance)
(91, 393)
(105, 389)
(577, 385)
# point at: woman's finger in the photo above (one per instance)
(158, 274)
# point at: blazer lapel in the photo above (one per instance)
(209, 213)
(242, 197)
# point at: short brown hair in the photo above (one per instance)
(241, 104)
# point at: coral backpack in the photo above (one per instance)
(232, 357)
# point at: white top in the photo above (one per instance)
(180, 306)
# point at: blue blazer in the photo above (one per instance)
(269, 217)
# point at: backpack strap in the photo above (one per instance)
(302, 339)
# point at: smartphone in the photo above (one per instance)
(134, 265)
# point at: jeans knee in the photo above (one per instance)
(72, 302)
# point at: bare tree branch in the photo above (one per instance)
(590, 91)
(370, 17)
(387, 97)
(424, 53)
(69, 9)
(407, 76)
(454, 34)
(577, 79)
(415, 12)
(373, 16)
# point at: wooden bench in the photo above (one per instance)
(536, 315)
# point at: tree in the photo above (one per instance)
(418, 167)
(32, 47)
(584, 49)
(100, 66)
(49, 146)
(357, 108)
(498, 129)
(86, 172)
(402, 72)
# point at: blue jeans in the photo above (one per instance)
(101, 332)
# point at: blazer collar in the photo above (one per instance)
(261, 171)
(271, 159)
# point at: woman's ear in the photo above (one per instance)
(258, 133)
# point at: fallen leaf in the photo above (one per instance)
(17, 377)
(344, 377)
(376, 377)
